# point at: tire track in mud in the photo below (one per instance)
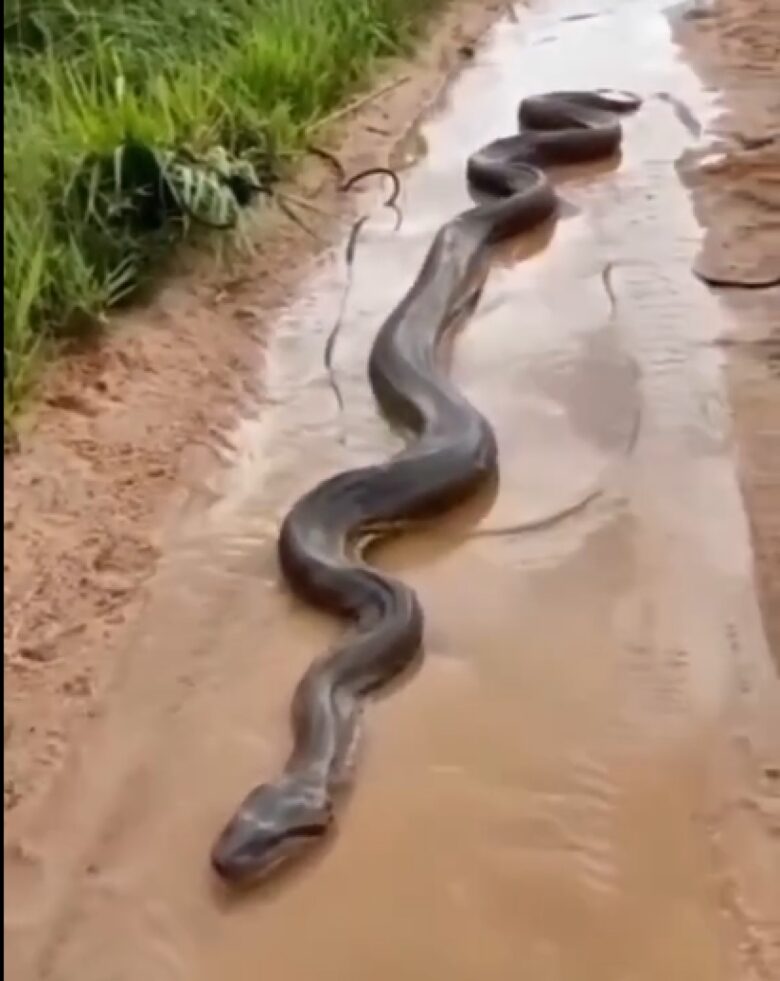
(569, 829)
(745, 822)
(662, 733)
(592, 803)
(684, 420)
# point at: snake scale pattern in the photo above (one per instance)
(451, 450)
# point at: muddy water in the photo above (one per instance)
(582, 781)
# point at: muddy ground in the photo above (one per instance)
(587, 811)
(129, 432)
(735, 47)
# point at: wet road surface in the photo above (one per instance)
(582, 781)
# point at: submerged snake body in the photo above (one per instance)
(454, 452)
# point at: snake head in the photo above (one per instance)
(275, 823)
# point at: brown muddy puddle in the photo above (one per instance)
(582, 780)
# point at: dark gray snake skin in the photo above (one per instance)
(451, 451)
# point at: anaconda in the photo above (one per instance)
(451, 451)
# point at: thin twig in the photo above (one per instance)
(349, 253)
(330, 158)
(334, 332)
(356, 104)
(376, 172)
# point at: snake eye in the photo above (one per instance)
(618, 96)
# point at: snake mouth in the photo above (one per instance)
(258, 860)
(240, 872)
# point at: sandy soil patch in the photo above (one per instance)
(735, 46)
(128, 429)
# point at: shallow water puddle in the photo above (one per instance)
(581, 781)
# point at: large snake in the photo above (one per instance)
(452, 450)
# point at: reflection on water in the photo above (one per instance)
(575, 783)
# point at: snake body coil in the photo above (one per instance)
(454, 451)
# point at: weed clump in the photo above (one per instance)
(129, 122)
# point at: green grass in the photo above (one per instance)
(200, 89)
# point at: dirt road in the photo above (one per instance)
(583, 779)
